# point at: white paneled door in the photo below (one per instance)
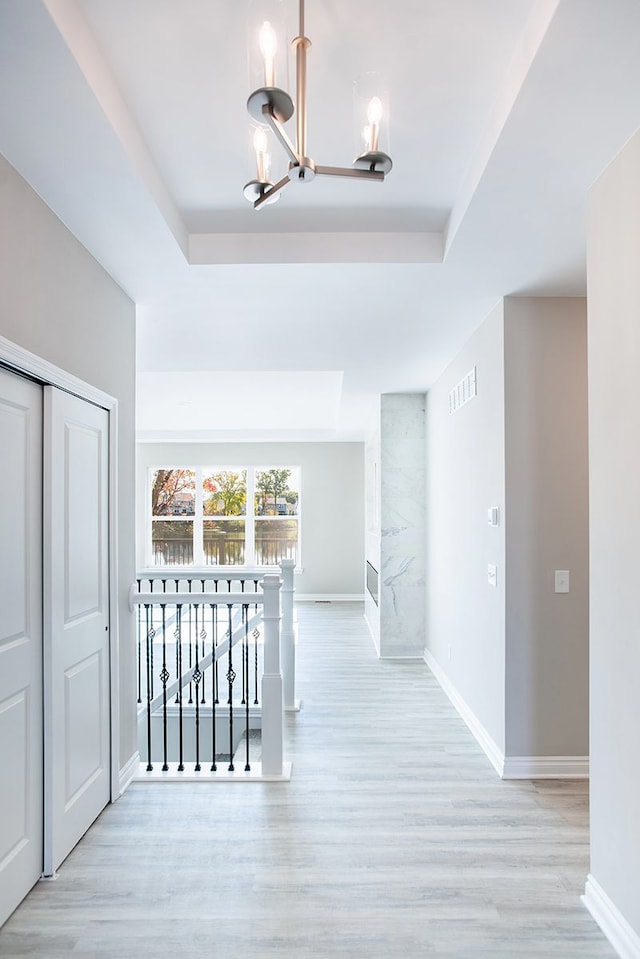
(21, 797)
(77, 720)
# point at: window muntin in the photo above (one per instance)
(200, 516)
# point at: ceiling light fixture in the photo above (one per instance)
(272, 107)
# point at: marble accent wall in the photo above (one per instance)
(402, 522)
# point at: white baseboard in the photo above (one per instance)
(546, 767)
(488, 745)
(128, 773)
(624, 939)
(329, 597)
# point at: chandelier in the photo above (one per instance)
(271, 107)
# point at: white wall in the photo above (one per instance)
(58, 303)
(614, 447)
(332, 498)
(546, 514)
(465, 474)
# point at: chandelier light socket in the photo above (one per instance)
(254, 189)
(371, 123)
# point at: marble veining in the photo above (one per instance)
(402, 515)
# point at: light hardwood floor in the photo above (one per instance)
(395, 838)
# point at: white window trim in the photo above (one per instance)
(249, 518)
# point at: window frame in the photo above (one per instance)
(249, 517)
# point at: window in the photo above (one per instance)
(199, 516)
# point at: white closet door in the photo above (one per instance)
(20, 639)
(77, 719)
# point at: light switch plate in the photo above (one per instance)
(493, 516)
(492, 575)
(562, 581)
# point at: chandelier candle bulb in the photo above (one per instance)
(374, 115)
(268, 46)
(262, 157)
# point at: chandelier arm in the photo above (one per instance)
(376, 175)
(271, 192)
(280, 133)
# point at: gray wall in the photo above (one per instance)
(465, 474)
(332, 491)
(547, 674)
(516, 653)
(58, 303)
(614, 443)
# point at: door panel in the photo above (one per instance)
(20, 639)
(77, 748)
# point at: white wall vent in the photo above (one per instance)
(463, 391)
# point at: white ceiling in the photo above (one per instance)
(128, 118)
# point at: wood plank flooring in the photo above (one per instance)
(395, 838)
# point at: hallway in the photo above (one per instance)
(395, 838)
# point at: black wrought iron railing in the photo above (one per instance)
(202, 646)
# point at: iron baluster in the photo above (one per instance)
(245, 669)
(154, 633)
(150, 635)
(245, 694)
(203, 636)
(230, 679)
(197, 676)
(178, 636)
(164, 676)
(256, 635)
(178, 652)
(216, 685)
(190, 645)
(214, 700)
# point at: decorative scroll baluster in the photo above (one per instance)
(150, 634)
(178, 637)
(154, 633)
(203, 637)
(216, 686)
(164, 676)
(245, 669)
(197, 676)
(245, 694)
(178, 650)
(256, 635)
(230, 680)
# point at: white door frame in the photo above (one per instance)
(22, 361)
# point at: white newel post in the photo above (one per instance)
(272, 715)
(287, 635)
